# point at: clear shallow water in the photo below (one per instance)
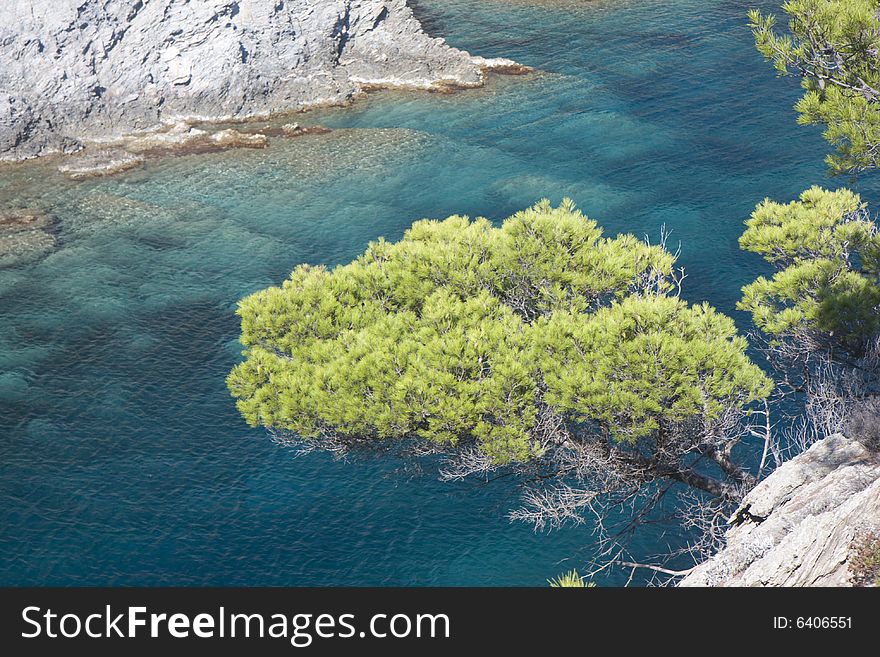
(122, 458)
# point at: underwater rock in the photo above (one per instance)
(131, 152)
(24, 235)
(22, 219)
(94, 163)
(297, 130)
(184, 140)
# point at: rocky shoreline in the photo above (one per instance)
(803, 525)
(132, 151)
(124, 80)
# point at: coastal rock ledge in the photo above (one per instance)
(804, 523)
(76, 71)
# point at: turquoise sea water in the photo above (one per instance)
(122, 458)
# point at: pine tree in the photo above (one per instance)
(833, 46)
(541, 346)
(826, 291)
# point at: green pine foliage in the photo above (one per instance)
(569, 580)
(832, 45)
(463, 333)
(827, 253)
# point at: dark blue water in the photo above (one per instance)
(122, 458)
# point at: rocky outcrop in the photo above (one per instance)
(97, 162)
(132, 151)
(798, 527)
(82, 70)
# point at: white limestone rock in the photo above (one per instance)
(814, 508)
(81, 70)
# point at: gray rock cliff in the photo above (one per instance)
(814, 508)
(81, 70)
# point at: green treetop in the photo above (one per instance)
(826, 291)
(833, 46)
(540, 344)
